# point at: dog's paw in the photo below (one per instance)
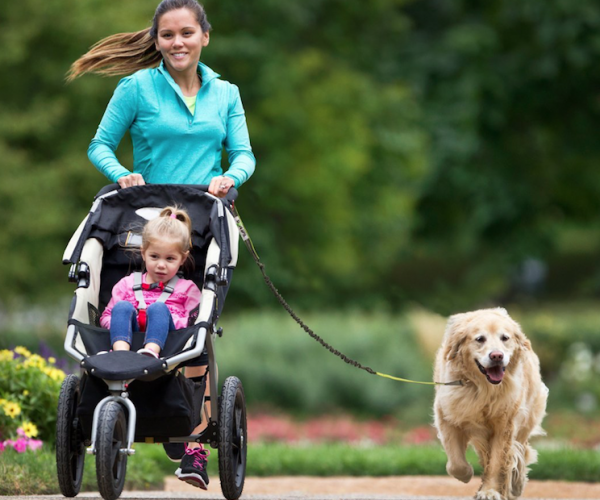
(462, 472)
(518, 480)
(488, 494)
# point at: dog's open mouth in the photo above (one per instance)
(494, 374)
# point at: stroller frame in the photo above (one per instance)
(115, 417)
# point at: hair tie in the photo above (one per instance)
(173, 216)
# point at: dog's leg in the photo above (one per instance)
(455, 442)
(498, 465)
(524, 455)
(518, 478)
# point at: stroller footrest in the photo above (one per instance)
(124, 365)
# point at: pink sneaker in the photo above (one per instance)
(148, 352)
(193, 467)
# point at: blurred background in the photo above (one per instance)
(415, 158)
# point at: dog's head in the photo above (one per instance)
(484, 343)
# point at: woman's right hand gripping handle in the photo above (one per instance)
(131, 180)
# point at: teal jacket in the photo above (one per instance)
(170, 145)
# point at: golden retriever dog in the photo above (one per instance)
(498, 407)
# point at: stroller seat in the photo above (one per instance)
(103, 250)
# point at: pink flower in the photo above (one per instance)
(35, 444)
(21, 432)
(420, 435)
(20, 445)
(265, 427)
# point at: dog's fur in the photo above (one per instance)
(500, 405)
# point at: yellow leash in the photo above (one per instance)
(249, 245)
(455, 382)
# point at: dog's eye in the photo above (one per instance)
(480, 339)
(504, 338)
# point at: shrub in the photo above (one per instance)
(29, 389)
(282, 367)
(567, 341)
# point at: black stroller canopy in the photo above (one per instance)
(116, 212)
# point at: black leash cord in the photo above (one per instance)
(250, 246)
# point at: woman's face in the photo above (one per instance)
(180, 40)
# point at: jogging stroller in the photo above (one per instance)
(124, 397)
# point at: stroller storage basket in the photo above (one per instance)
(171, 399)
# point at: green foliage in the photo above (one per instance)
(343, 459)
(407, 150)
(505, 90)
(30, 473)
(29, 389)
(282, 367)
(35, 473)
(567, 340)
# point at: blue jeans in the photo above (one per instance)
(123, 322)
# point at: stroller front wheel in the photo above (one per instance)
(232, 439)
(70, 449)
(111, 463)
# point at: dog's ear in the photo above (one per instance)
(502, 311)
(454, 336)
(522, 341)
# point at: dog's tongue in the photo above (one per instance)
(495, 373)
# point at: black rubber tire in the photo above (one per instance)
(232, 439)
(111, 437)
(70, 448)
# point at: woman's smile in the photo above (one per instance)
(180, 40)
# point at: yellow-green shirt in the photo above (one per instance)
(190, 102)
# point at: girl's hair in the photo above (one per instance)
(172, 224)
(126, 53)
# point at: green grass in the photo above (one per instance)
(35, 473)
(342, 459)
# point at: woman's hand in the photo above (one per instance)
(131, 180)
(220, 185)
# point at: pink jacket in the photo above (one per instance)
(184, 299)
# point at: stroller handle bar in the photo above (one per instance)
(230, 197)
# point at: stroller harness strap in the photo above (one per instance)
(138, 290)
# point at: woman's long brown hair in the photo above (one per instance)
(126, 53)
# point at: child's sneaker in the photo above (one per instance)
(148, 352)
(193, 467)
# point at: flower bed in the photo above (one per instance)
(29, 389)
(265, 427)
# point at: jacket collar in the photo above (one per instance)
(207, 76)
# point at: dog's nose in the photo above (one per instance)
(496, 356)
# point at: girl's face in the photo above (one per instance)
(180, 40)
(163, 259)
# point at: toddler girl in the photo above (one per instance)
(158, 300)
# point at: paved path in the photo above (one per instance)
(395, 487)
(349, 488)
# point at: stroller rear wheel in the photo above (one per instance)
(232, 439)
(111, 463)
(70, 449)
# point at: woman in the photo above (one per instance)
(180, 117)
(179, 114)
